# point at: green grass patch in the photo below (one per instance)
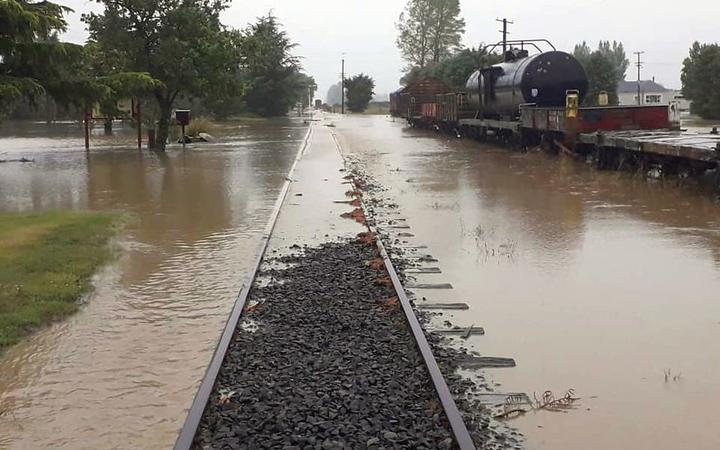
(46, 263)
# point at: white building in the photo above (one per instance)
(651, 93)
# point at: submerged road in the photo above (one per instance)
(596, 281)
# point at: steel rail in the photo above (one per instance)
(457, 424)
(202, 396)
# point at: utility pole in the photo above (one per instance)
(342, 88)
(639, 65)
(310, 105)
(504, 32)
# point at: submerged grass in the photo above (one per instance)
(46, 263)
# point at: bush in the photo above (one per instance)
(200, 125)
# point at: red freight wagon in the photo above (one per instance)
(428, 111)
(591, 119)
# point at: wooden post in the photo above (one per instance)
(87, 129)
(138, 115)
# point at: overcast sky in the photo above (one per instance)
(364, 31)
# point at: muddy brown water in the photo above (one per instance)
(697, 125)
(122, 371)
(596, 281)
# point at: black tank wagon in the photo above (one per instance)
(542, 79)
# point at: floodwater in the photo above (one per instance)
(121, 372)
(598, 281)
(695, 124)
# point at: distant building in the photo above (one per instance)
(651, 93)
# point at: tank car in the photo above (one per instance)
(543, 79)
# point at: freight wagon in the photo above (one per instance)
(525, 100)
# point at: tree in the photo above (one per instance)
(454, 70)
(700, 81)
(270, 69)
(180, 43)
(429, 31)
(605, 69)
(359, 91)
(447, 30)
(35, 65)
(616, 54)
(306, 87)
(31, 56)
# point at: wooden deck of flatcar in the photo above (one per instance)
(694, 146)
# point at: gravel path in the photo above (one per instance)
(331, 364)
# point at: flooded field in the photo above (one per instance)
(121, 372)
(598, 281)
(698, 125)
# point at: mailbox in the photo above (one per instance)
(182, 116)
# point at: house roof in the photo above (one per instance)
(626, 87)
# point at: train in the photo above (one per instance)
(525, 100)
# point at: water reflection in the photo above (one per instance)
(121, 371)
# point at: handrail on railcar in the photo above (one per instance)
(488, 48)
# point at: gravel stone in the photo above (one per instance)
(329, 365)
(390, 436)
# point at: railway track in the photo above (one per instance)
(202, 396)
(458, 429)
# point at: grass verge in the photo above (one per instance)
(46, 263)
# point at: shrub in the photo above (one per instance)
(200, 125)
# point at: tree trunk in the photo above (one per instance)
(163, 129)
(107, 125)
(50, 109)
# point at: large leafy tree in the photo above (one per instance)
(429, 31)
(605, 68)
(454, 70)
(270, 69)
(180, 43)
(32, 60)
(359, 92)
(615, 52)
(700, 80)
(34, 63)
